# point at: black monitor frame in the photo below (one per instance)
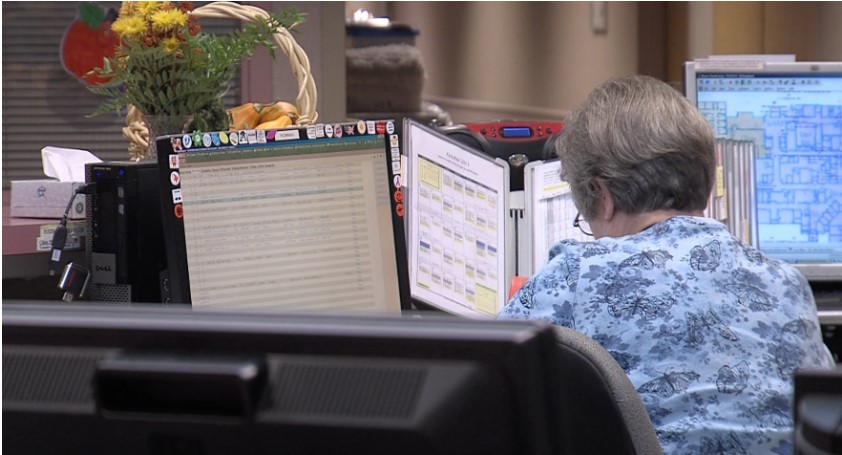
(130, 380)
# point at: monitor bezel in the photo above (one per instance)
(692, 69)
(520, 353)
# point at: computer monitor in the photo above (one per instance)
(300, 219)
(792, 111)
(171, 379)
(460, 240)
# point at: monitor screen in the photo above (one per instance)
(792, 112)
(457, 234)
(299, 219)
(164, 379)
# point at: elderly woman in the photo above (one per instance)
(709, 329)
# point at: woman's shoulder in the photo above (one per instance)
(578, 249)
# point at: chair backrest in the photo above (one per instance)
(603, 411)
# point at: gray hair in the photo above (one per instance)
(650, 147)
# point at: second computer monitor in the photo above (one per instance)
(301, 219)
(792, 112)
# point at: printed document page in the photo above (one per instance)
(456, 226)
(550, 210)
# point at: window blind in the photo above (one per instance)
(44, 105)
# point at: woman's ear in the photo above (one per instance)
(606, 201)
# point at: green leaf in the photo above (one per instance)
(91, 14)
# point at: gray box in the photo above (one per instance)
(46, 199)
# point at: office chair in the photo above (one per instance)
(606, 414)
(818, 412)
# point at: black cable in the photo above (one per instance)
(60, 235)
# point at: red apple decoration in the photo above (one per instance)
(87, 41)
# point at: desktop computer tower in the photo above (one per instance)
(125, 242)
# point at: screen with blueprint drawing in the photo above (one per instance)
(793, 115)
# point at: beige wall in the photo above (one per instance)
(526, 54)
(513, 59)
(829, 39)
(808, 30)
(783, 21)
(738, 27)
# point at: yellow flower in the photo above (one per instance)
(167, 20)
(127, 9)
(131, 27)
(170, 43)
(147, 9)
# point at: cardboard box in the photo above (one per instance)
(45, 199)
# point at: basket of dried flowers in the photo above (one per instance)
(171, 77)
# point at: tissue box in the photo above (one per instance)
(45, 199)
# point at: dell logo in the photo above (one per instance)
(102, 268)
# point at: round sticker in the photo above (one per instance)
(175, 178)
(398, 196)
(361, 127)
(206, 140)
(187, 141)
(390, 127)
(234, 138)
(328, 131)
(399, 209)
(179, 211)
(223, 137)
(397, 181)
(337, 130)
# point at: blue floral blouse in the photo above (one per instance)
(708, 329)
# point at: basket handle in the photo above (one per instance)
(300, 64)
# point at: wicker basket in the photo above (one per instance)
(137, 133)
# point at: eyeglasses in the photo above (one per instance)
(582, 224)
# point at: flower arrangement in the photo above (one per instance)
(165, 66)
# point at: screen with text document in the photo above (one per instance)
(299, 224)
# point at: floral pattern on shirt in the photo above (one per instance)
(709, 330)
